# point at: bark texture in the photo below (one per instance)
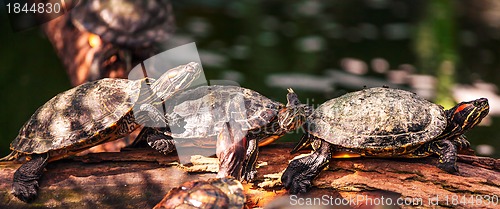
(139, 178)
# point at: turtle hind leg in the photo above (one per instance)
(300, 172)
(447, 152)
(249, 166)
(25, 186)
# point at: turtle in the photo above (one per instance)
(97, 39)
(232, 119)
(88, 115)
(214, 193)
(382, 122)
(127, 23)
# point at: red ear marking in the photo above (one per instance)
(461, 107)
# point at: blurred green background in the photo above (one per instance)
(445, 50)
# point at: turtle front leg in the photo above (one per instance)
(447, 152)
(25, 186)
(231, 153)
(463, 145)
(249, 166)
(149, 115)
(157, 139)
(300, 172)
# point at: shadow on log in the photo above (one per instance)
(139, 178)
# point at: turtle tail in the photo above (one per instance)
(14, 155)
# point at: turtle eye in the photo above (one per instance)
(483, 102)
(172, 74)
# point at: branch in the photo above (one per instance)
(141, 177)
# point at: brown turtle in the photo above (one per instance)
(87, 115)
(383, 122)
(236, 119)
(218, 193)
(127, 23)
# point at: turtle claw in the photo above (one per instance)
(448, 167)
(295, 179)
(158, 140)
(25, 190)
(300, 172)
(25, 181)
(302, 187)
(249, 166)
(249, 176)
(297, 186)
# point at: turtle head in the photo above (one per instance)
(294, 114)
(176, 79)
(466, 115)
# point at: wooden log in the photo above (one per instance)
(139, 178)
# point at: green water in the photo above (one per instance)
(30, 74)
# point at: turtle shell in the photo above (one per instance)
(203, 112)
(126, 22)
(212, 193)
(378, 121)
(80, 117)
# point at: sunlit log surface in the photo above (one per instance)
(139, 178)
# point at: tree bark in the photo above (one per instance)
(139, 178)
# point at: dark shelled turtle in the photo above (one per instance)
(216, 193)
(126, 23)
(383, 122)
(113, 35)
(87, 115)
(235, 119)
